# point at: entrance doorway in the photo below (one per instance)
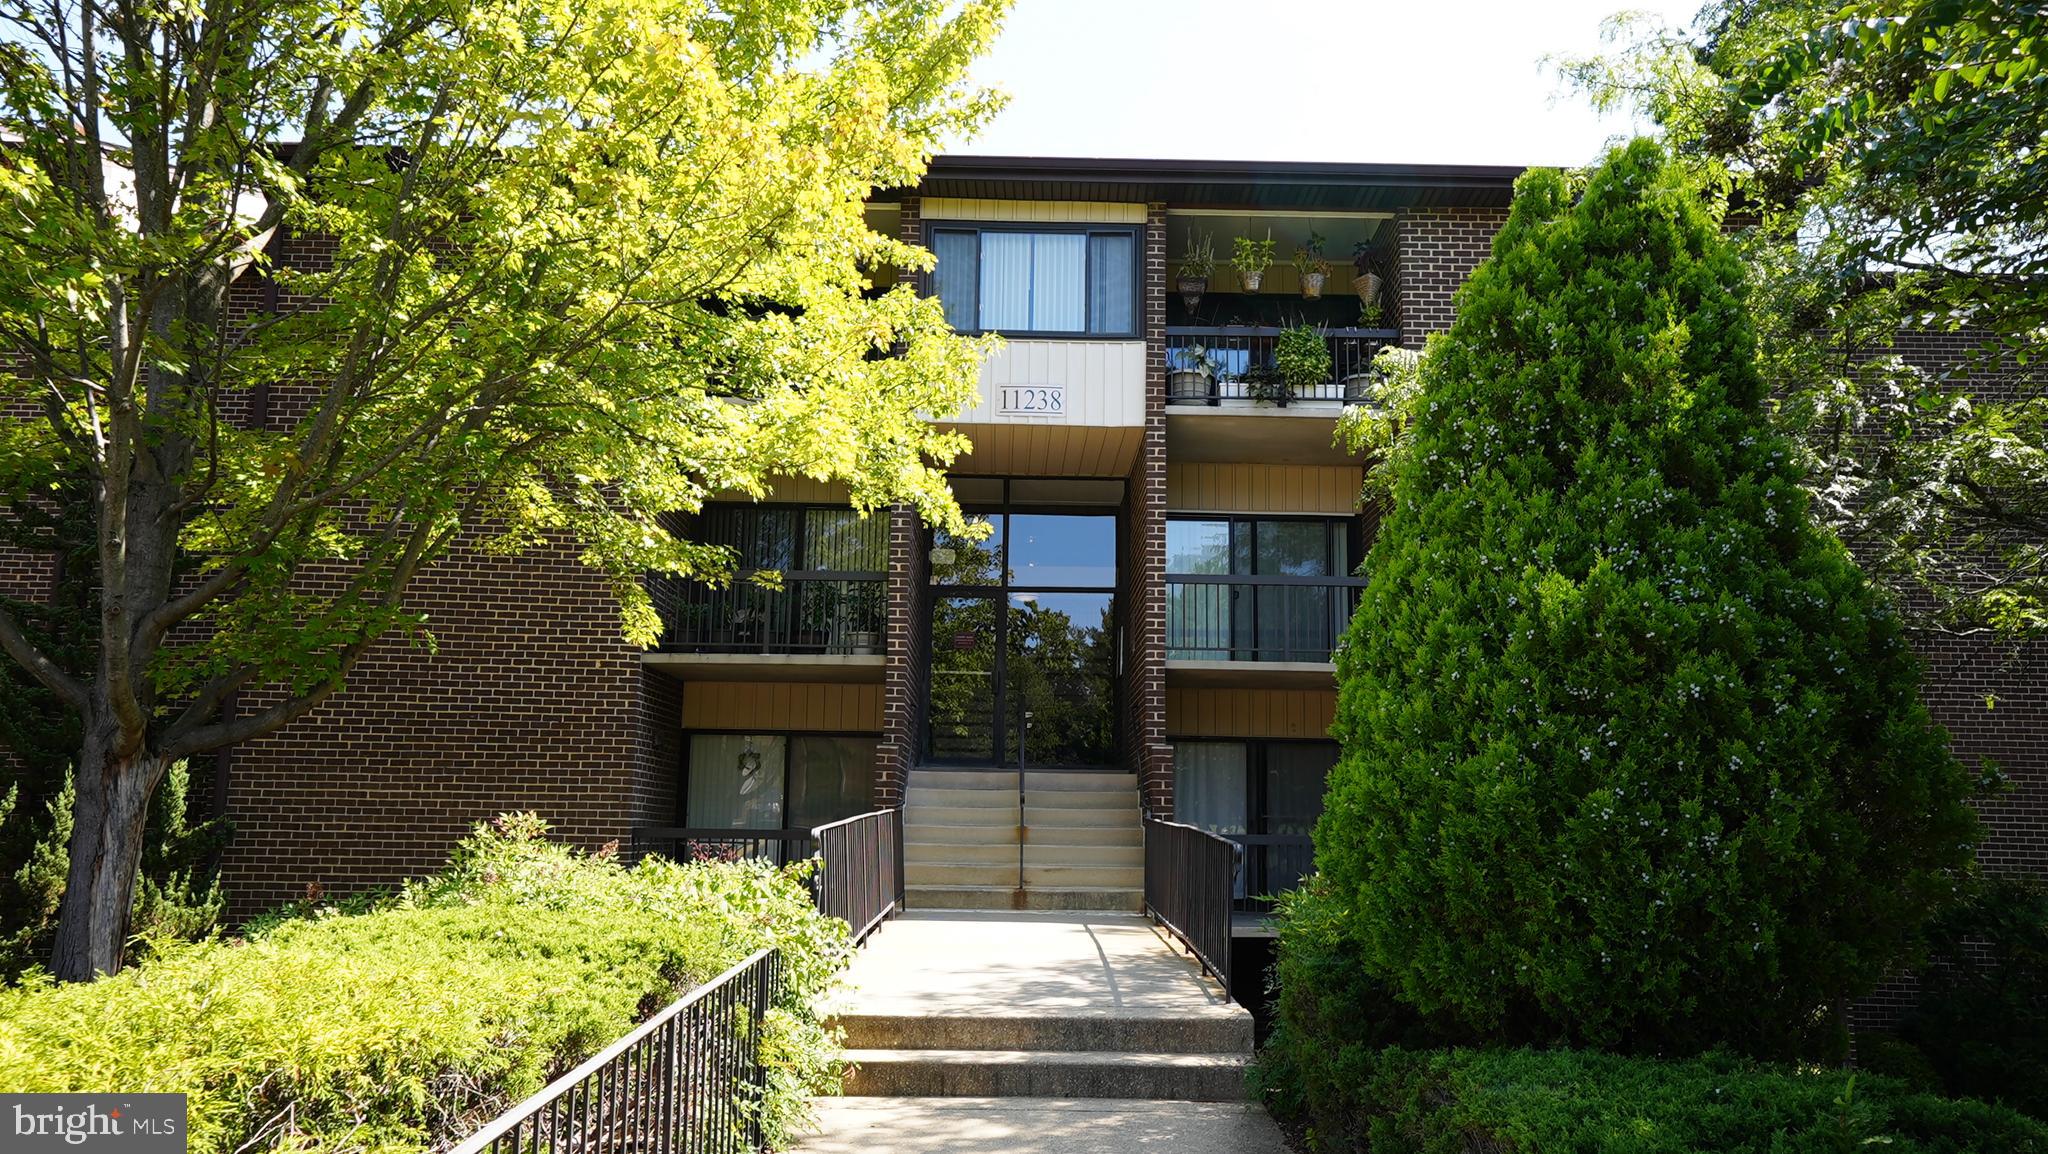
(1023, 660)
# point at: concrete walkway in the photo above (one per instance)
(1032, 1125)
(973, 1031)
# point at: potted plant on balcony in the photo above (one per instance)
(1195, 266)
(1301, 356)
(1313, 266)
(1365, 280)
(1251, 258)
(863, 602)
(1193, 376)
(1361, 381)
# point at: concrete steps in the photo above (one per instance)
(1070, 841)
(954, 1004)
(1046, 1074)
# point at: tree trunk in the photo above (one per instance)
(111, 807)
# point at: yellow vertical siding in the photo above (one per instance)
(1251, 488)
(1250, 712)
(1032, 211)
(777, 705)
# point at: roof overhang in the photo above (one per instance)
(1233, 184)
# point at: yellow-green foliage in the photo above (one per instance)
(414, 1022)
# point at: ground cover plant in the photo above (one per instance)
(408, 1024)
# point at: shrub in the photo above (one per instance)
(413, 1023)
(1982, 1018)
(1454, 1101)
(1632, 753)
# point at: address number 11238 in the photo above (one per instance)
(1033, 400)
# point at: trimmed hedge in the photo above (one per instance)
(413, 1023)
(1458, 1101)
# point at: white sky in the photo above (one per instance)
(1392, 81)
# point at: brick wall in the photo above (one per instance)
(907, 634)
(1144, 568)
(532, 701)
(906, 628)
(1435, 249)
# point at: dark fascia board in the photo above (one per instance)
(1219, 183)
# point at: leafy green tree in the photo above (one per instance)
(580, 264)
(1633, 754)
(1885, 165)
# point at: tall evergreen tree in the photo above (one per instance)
(1633, 753)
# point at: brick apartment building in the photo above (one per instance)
(1149, 621)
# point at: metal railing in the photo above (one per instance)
(688, 1079)
(1211, 365)
(861, 878)
(688, 844)
(1190, 875)
(1274, 864)
(1232, 617)
(820, 611)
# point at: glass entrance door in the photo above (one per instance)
(1024, 640)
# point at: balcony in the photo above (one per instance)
(1225, 402)
(821, 625)
(1234, 630)
(1231, 366)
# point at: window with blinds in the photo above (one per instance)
(1024, 282)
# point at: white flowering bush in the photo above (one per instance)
(1633, 754)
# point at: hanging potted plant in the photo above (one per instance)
(1250, 258)
(1364, 265)
(1312, 265)
(1193, 376)
(1195, 266)
(1302, 358)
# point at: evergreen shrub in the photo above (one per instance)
(1633, 755)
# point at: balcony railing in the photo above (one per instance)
(814, 612)
(687, 844)
(1231, 617)
(1234, 363)
(1274, 864)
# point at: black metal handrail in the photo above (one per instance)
(860, 880)
(1234, 617)
(688, 1079)
(815, 611)
(1208, 365)
(691, 843)
(1190, 875)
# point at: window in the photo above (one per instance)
(1257, 588)
(777, 780)
(1017, 281)
(799, 538)
(1264, 794)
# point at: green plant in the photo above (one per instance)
(1194, 359)
(1408, 1101)
(1301, 356)
(1364, 258)
(1251, 257)
(1371, 314)
(1309, 258)
(415, 1018)
(1200, 258)
(1633, 755)
(1982, 1017)
(583, 195)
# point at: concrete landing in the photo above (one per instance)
(1038, 1126)
(1010, 964)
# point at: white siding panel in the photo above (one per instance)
(1104, 380)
